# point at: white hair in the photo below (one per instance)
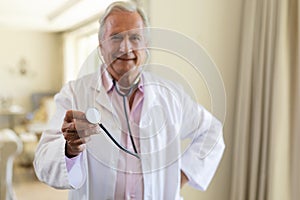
(128, 6)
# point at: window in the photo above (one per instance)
(79, 45)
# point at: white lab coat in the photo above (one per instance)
(168, 116)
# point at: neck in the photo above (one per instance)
(131, 98)
(129, 93)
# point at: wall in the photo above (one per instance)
(42, 51)
(216, 26)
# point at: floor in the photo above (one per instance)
(27, 187)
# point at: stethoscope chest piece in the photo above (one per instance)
(93, 115)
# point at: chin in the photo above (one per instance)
(125, 66)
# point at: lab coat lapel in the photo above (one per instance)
(150, 101)
(147, 143)
(99, 94)
(109, 117)
(103, 100)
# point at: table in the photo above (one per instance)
(12, 112)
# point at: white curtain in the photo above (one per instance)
(267, 125)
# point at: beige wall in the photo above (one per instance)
(42, 52)
(216, 26)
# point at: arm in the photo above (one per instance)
(202, 157)
(50, 160)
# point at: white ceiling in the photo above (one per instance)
(49, 15)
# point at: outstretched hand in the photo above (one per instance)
(77, 131)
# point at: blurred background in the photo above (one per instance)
(254, 43)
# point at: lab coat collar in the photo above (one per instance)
(100, 94)
(97, 78)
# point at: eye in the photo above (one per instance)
(135, 37)
(117, 37)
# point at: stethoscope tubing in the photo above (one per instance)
(117, 144)
(135, 154)
(125, 111)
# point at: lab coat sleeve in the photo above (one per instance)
(201, 159)
(49, 163)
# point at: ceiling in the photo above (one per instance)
(49, 15)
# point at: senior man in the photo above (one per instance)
(78, 155)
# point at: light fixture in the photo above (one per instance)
(22, 68)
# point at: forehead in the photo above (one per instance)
(120, 21)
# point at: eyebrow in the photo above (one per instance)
(115, 33)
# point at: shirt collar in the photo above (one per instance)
(107, 82)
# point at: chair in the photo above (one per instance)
(10, 147)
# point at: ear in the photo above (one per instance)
(100, 51)
(100, 47)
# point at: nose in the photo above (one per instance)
(125, 45)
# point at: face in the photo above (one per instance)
(123, 42)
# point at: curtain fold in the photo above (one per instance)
(294, 45)
(265, 162)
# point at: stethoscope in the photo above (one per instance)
(94, 117)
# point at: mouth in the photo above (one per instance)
(125, 58)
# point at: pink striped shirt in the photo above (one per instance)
(129, 177)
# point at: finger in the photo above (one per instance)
(71, 136)
(74, 114)
(68, 126)
(86, 139)
(81, 125)
(75, 150)
(89, 132)
(75, 143)
(71, 133)
(78, 142)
